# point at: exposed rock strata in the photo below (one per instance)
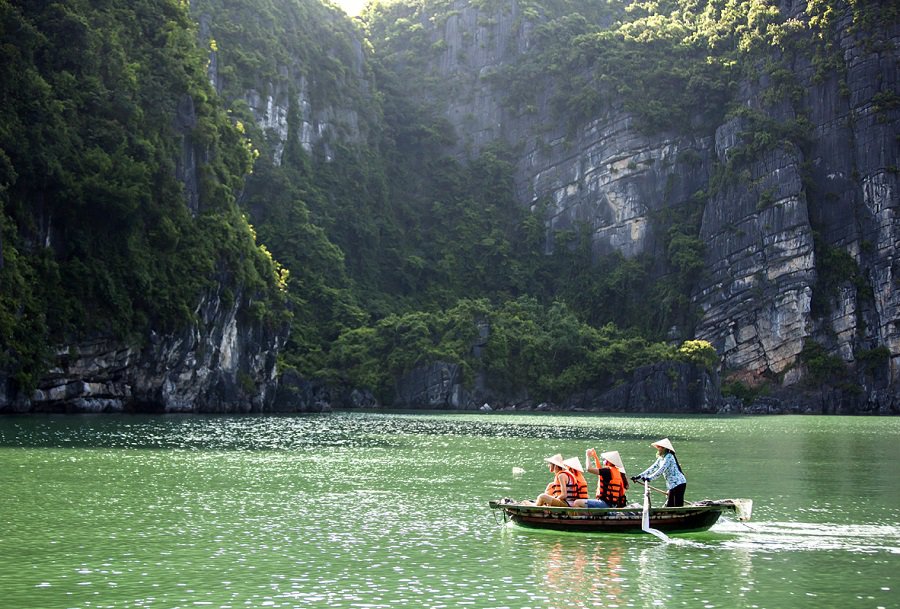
(224, 362)
(438, 385)
(285, 106)
(762, 270)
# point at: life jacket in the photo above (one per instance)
(576, 485)
(611, 487)
(553, 488)
(581, 490)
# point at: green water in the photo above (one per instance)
(380, 510)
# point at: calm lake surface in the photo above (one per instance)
(390, 510)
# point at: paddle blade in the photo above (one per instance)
(645, 517)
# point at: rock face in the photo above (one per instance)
(297, 394)
(665, 387)
(438, 385)
(224, 362)
(315, 105)
(761, 268)
(767, 289)
(764, 268)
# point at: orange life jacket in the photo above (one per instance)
(580, 488)
(553, 488)
(576, 485)
(611, 487)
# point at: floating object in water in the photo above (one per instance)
(518, 471)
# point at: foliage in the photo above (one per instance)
(99, 235)
(872, 360)
(821, 366)
(700, 353)
(834, 267)
(544, 349)
(744, 392)
(376, 231)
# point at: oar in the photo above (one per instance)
(659, 490)
(645, 517)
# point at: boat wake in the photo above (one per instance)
(800, 536)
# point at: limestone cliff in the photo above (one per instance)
(225, 362)
(130, 279)
(773, 223)
(298, 67)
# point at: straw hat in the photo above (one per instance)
(574, 463)
(557, 460)
(664, 443)
(614, 458)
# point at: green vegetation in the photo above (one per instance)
(546, 350)
(700, 353)
(835, 268)
(870, 361)
(99, 103)
(822, 367)
(745, 393)
(387, 252)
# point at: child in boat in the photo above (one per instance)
(667, 465)
(611, 480)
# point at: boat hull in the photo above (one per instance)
(694, 517)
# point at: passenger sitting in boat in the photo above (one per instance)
(611, 480)
(564, 488)
(666, 464)
(581, 491)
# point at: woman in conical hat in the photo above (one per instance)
(664, 443)
(667, 465)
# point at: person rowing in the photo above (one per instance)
(667, 465)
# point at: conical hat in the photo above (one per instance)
(664, 443)
(556, 459)
(614, 458)
(574, 463)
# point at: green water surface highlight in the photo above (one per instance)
(390, 510)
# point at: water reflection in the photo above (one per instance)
(346, 429)
(575, 576)
(655, 580)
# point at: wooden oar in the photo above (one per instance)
(659, 490)
(645, 517)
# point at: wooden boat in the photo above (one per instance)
(697, 516)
